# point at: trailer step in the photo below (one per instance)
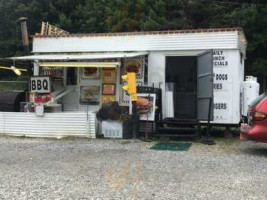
(175, 121)
(177, 132)
(180, 119)
(176, 129)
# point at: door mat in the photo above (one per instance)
(176, 146)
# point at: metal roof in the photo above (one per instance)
(240, 31)
(201, 39)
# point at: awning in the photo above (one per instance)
(87, 56)
(80, 64)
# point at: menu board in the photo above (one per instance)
(109, 75)
(146, 105)
(89, 73)
(108, 89)
(224, 63)
(108, 85)
(90, 95)
(108, 99)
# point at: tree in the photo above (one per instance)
(153, 16)
(138, 15)
(90, 16)
(123, 15)
(251, 17)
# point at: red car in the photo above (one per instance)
(256, 129)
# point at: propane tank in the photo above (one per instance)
(250, 91)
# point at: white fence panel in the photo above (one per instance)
(50, 125)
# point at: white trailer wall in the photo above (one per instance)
(227, 86)
(228, 76)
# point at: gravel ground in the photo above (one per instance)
(119, 169)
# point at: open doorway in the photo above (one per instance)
(181, 72)
(191, 78)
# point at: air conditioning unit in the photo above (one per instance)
(117, 129)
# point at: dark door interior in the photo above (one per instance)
(181, 71)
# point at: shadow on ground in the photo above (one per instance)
(256, 151)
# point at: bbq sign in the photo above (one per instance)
(40, 84)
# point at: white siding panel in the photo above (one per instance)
(1, 123)
(50, 125)
(194, 41)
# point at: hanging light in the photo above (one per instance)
(16, 70)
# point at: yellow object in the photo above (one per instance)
(108, 98)
(79, 64)
(8, 68)
(130, 87)
(15, 70)
(134, 97)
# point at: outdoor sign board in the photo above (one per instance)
(226, 86)
(40, 84)
(90, 95)
(146, 106)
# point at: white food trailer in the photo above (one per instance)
(160, 56)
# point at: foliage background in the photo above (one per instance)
(80, 16)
